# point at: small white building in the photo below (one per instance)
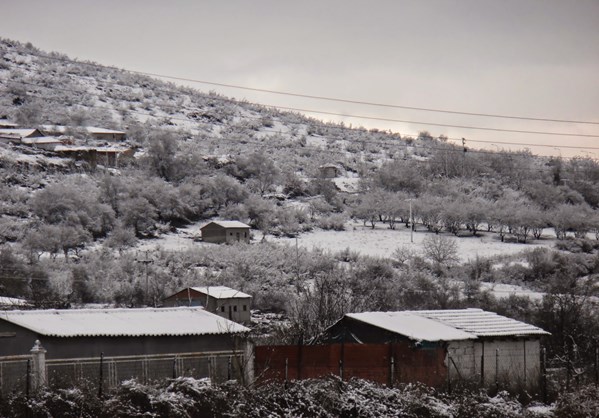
(225, 232)
(221, 300)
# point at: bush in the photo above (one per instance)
(332, 222)
(582, 403)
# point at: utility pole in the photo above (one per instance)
(411, 223)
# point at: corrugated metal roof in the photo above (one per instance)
(448, 325)
(221, 292)
(482, 323)
(227, 224)
(412, 326)
(122, 322)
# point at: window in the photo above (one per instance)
(222, 308)
(235, 308)
(245, 308)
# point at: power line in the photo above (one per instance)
(296, 123)
(332, 99)
(438, 124)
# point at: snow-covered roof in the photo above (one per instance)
(122, 322)
(221, 292)
(43, 140)
(482, 323)
(412, 326)
(227, 224)
(75, 148)
(448, 325)
(22, 133)
(90, 129)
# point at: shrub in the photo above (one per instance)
(332, 222)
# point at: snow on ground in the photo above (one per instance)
(382, 241)
(502, 291)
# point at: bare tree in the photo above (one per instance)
(441, 250)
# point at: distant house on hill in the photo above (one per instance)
(480, 346)
(229, 232)
(106, 156)
(6, 124)
(221, 300)
(329, 171)
(83, 333)
(46, 142)
(19, 134)
(100, 134)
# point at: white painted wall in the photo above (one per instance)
(514, 364)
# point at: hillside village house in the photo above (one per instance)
(17, 135)
(480, 346)
(229, 232)
(329, 171)
(221, 300)
(100, 134)
(83, 333)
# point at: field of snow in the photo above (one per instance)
(382, 241)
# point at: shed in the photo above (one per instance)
(221, 300)
(83, 333)
(228, 232)
(480, 346)
(329, 171)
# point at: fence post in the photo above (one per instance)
(286, 371)
(449, 373)
(392, 380)
(482, 365)
(101, 382)
(38, 369)
(229, 369)
(341, 360)
(544, 374)
(525, 366)
(174, 367)
(300, 343)
(28, 378)
(497, 369)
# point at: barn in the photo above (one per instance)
(480, 346)
(229, 232)
(221, 300)
(83, 333)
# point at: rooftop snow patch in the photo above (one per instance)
(122, 322)
(482, 323)
(413, 326)
(228, 224)
(448, 325)
(221, 292)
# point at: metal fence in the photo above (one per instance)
(18, 373)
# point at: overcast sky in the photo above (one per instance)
(534, 58)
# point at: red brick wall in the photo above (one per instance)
(376, 362)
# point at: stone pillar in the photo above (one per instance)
(38, 366)
(248, 370)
